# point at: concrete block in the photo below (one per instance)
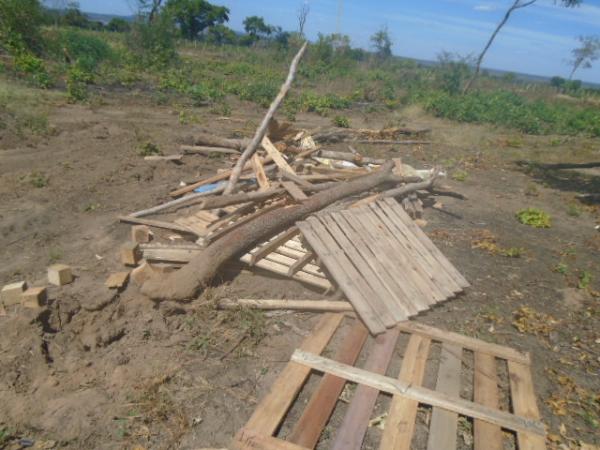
(59, 275)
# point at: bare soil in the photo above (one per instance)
(95, 370)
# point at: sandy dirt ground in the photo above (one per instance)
(95, 370)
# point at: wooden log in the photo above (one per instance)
(420, 394)
(205, 139)
(195, 149)
(294, 305)
(185, 283)
(262, 129)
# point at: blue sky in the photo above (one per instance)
(537, 40)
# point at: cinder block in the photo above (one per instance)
(141, 234)
(34, 297)
(130, 254)
(59, 275)
(11, 293)
(117, 280)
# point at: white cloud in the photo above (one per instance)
(484, 7)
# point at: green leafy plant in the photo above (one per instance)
(33, 68)
(341, 121)
(460, 175)
(513, 252)
(149, 149)
(574, 210)
(534, 217)
(561, 268)
(585, 278)
(38, 179)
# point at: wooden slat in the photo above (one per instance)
(300, 263)
(387, 297)
(273, 244)
(250, 440)
(157, 224)
(259, 172)
(363, 309)
(438, 271)
(395, 260)
(239, 222)
(427, 242)
(294, 191)
(287, 261)
(465, 341)
(271, 410)
(352, 431)
(281, 269)
(367, 295)
(420, 394)
(400, 423)
(524, 404)
(276, 155)
(314, 418)
(297, 305)
(375, 260)
(486, 436)
(444, 424)
(437, 280)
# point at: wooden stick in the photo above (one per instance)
(163, 158)
(296, 305)
(158, 224)
(259, 173)
(243, 197)
(420, 394)
(352, 157)
(178, 201)
(262, 129)
(388, 141)
(191, 149)
(210, 140)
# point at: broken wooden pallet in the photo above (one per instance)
(384, 263)
(271, 428)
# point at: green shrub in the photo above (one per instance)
(33, 68)
(83, 49)
(341, 121)
(460, 175)
(152, 44)
(77, 81)
(20, 22)
(149, 149)
(534, 217)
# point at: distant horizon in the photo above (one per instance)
(536, 41)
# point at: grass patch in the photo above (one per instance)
(149, 149)
(341, 121)
(534, 217)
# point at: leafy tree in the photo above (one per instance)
(220, 35)
(153, 43)
(586, 54)
(148, 8)
(557, 82)
(118, 24)
(73, 17)
(382, 42)
(20, 22)
(256, 27)
(452, 70)
(517, 4)
(194, 16)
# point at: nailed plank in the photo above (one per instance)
(296, 305)
(400, 423)
(294, 191)
(273, 244)
(524, 404)
(398, 313)
(259, 172)
(465, 342)
(270, 412)
(276, 156)
(363, 309)
(314, 418)
(300, 263)
(427, 242)
(486, 436)
(248, 439)
(420, 394)
(288, 261)
(444, 424)
(352, 431)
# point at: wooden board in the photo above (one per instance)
(387, 271)
(402, 414)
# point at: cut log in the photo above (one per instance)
(187, 282)
(204, 150)
(262, 129)
(205, 139)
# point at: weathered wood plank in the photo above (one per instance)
(444, 424)
(273, 244)
(352, 431)
(276, 155)
(294, 191)
(486, 436)
(400, 423)
(296, 305)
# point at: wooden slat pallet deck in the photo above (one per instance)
(271, 427)
(383, 262)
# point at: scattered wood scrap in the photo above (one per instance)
(263, 429)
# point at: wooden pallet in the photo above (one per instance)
(263, 429)
(385, 264)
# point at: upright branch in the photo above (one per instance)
(262, 129)
(586, 54)
(517, 4)
(302, 17)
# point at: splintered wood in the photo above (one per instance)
(283, 422)
(384, 263)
